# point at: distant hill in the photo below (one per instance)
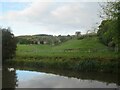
(42, 39)
(42, 35)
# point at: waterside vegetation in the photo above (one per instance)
(87, 55)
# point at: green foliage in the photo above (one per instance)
(42, 39)
(109, 29)
(80, 65)
(86, 36)
(105, 32)
(24, 41)
(47, 56)
(111, 66)
(88, 65)
(88, 47)
(9, 79)
(8, 44)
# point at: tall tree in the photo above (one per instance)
(109, 29)
(8, 44)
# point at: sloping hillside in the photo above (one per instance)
(86, 43)
(87, 47)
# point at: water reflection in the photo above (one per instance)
(25, 77)
(103, 77)
(43, 80)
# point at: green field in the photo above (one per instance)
(82, 55)
(88, 47)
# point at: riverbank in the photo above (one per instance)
(84, 65)
(75, 64)
(86, 55)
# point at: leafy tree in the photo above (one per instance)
(8, 44)
(104, 33)
(24, 41)
(109, 29)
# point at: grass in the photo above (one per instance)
(84, 65)
(82, 57)
(83, 45)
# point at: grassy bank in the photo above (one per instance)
(88, 65)
(81, 55)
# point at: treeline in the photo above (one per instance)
(43, 39)
(109, 30)
(86, 35)
(50, 39)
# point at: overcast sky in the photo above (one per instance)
(49, 17)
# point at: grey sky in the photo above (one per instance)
(49, 17)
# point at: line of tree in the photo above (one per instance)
(43, 39)
(8, 44)
(109, 30)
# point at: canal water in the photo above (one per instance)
(25, 78)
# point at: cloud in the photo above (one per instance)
(57, 0)
(70, 14)
(80, 15)
(52, 17)
(34, 11)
